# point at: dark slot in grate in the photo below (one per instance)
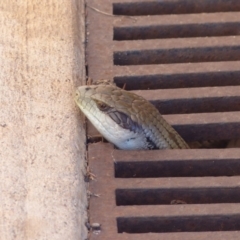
(183, 56)
(161, 196)
(178, 224)
(177, 163)
(177, 31)
(138, 8)
(196, 100)
(171, 168)
(177, 55)
(179, 80)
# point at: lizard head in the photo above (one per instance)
(109, 109)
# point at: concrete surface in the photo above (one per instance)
(42, 135)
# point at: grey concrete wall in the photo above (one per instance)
(42, 149)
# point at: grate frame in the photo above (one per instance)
(189, 96)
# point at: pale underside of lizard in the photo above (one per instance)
(126, 119)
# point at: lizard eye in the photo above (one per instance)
(102, 106)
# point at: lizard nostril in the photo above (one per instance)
(77, 95)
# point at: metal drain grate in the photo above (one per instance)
(184, 57)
